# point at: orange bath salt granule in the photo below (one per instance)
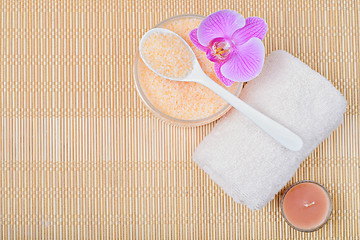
(183, 100)
(167, 55)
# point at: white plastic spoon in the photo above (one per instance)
(280, 133)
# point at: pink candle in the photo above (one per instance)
(306, 206)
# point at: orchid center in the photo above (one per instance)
(220, 49)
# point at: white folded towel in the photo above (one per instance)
(248, 164)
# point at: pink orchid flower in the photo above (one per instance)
(233, 44)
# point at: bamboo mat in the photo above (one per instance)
(82, 157)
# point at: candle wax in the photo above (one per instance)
(306, 206)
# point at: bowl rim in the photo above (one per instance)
(160, 114)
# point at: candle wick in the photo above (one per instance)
(309, 204)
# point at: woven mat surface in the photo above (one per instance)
(82, 157)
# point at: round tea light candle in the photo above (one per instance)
(306, 206)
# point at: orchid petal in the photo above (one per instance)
(219, 24)
(227, 82)
(195, 41)
(254, 27)
(246, 61)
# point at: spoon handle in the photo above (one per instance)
(280, 133)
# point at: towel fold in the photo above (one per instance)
(247, 163)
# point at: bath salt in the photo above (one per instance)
(183, 100)
(167, 55)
